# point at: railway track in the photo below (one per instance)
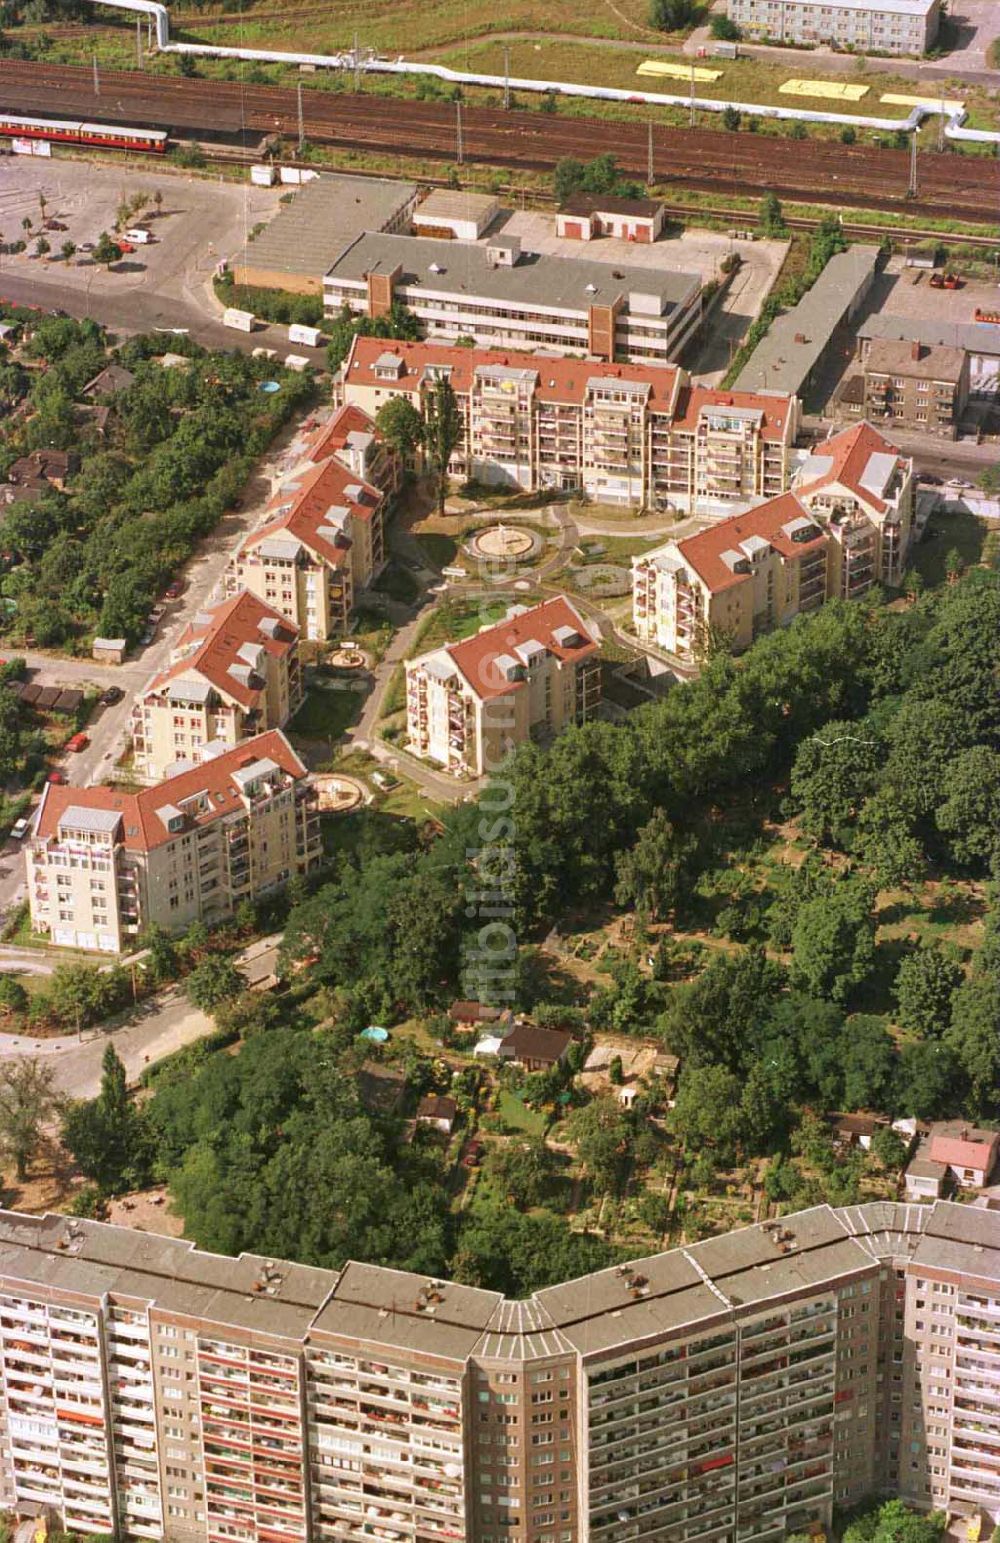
(949, 186)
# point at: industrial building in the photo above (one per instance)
(503, 297)
(739, 1387)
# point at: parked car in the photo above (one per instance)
(20, 828)
(173, 591)
(112, 695)
(147, 638)
(57, 778)
(78, 742)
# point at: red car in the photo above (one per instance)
(58, 778)
(173, 591)
(125, 246)
(78, 742)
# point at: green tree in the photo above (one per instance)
(105, 251)
(723, 27)
(723, 1015)
(926, 1079)
(926, 982)
(504, 1250)
(603, 1139)
(521, 1171)
(108, 1135)
(834, 771)
(42, 247)
(401, 427)
(651, 874)
(771, 220)
(968, 812)
(833, 942)
(889, 1149)
(443, 433)
(706, 1112)
(671, 15)
(213, 981)
(731, 118)
(13, 997)
(974, 1037)
(28, 1102)
(68, 250)
(866, 1056)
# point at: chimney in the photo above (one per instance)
(800, 337)
(915, 350)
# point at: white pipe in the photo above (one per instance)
(955, 117)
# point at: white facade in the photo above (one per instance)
(891, 27)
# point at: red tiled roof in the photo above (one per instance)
(704, 551)
(964, 1148)
(233, 624)
(850, 452)
(331, 436)
(475, 657)
(142, 827)
(776, 410)
(559, 380)
(308, 499)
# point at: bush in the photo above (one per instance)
(731, 118)
(724, 28)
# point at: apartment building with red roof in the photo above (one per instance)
(531, 674)
(844, 526)
(321, 542)
(628, 434)
(104, 865)
(233, 673)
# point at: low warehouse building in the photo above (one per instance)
(585, 216)
(309, 233)
(454, 214)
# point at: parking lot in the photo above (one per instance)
(198, 222)
(903, 291)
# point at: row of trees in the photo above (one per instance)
(182, 443)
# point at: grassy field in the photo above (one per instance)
(326, 714)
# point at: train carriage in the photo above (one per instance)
(105, 136)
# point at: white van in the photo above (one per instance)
(139, 236)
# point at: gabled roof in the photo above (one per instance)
(775, 408)
(481, 659)
(528, 1042)
(114, 377)
(859, 459)
(557, 379)
(213, 786)
(770, 524)
(305, 504)
(960, 1146)
(331, 437)
(215, 640)
(610, 203)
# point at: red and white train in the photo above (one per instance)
(106, 136)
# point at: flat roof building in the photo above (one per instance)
(867, 26)
(791, 354)
(504, 297)
(455, 214)
(324, 215)
(740, 1386)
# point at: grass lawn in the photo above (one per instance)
(517, 1116)
(457, 619)
(944, 533)
(326, 714)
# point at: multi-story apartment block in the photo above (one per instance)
(845, 527)
(531, 674)
(505, 298)
(867, 26)
(353, 437)
(858, 485)
(234, 672)
(104, 865)
(734, 1389)
(623, 434)
(909, 386)
(322, 541)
